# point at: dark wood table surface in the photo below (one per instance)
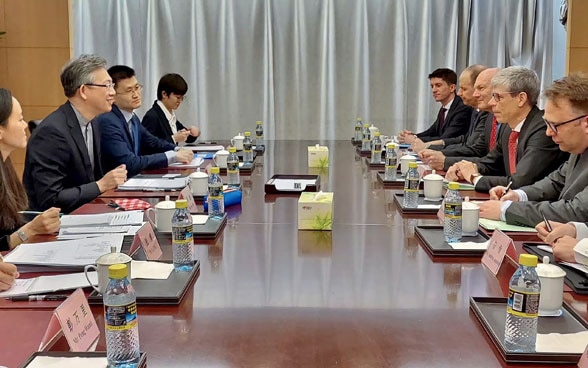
(365, 294)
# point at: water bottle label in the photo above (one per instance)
(523, 304)
(391, 167)
(452, 210)
(120, 317)
(411, 185)
(182, 234)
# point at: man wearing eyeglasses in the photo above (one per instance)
(63, 161)
(563, 195)
(161, 119)
(124, 140)
(523, 153)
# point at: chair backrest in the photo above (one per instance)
(33, 124)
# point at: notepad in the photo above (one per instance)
(205, 148)
(49, 284)
(503, 226)
(103, 219)
(154, 184)
(196, 162)
(462, 186)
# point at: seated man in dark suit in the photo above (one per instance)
(523, 154)
(453, 118)
(563, 195)
(124, 140)
(480, 141)
(161, 119)
(62, 165)
(467, 78)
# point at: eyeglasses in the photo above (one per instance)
(180, 97)
(553, 126)
(499, 96)
(132, 90)
(107, 85)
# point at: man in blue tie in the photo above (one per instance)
(124, 140)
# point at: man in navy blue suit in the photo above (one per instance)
(124, 139)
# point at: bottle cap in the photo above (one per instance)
(413, 165)
(377, 134)
(258, 122)
(215, 170)
(529, 260)
(366, 125)
(181, 203)
(359, 119)
(232, 149)
(453, 185)
(118, 271)
(247, 134)
(391, 145)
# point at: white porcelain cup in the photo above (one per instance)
(220, 158)
(552, 281)
(404, 160)
(470, 218)
(433, 185)
(161, 216)
(102, 264)
(237, 142)
(199, 183)
(373, 129)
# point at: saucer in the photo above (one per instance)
(556, 313)
(433, 199)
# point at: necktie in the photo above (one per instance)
(493, 134)
(441, 117)
(135, 135)
(89, 138)
(512, 151)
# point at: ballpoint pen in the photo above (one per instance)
(34, 213)
(506, 189)
(32, 298)
(547, 224)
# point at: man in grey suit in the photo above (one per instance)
(523, 153)
(563, 195)
(62, 166)
(480, 141)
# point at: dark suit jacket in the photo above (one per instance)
(117, 145)
(156, 122)
(57, 170)
(475, 119)
(457, 123)
(477, 146)
(562, 196)
(537, 156)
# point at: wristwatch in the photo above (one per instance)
(22, 236)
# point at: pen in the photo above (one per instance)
(35, 213)
(32, 298)
(547, 224)
(506, 189)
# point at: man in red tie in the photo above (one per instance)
(483, 137)
(523, 153)
(453, 117)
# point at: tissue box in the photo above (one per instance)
(315, 211)
(318, 156)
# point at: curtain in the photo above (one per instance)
(309, 68)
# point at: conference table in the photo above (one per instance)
(365, 294)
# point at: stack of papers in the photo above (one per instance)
(503, 226)
(79, 252)
(84, 226)
(49, 284)
(196, 162)
(205, 148)
(154, 184)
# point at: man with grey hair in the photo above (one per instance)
(62, 166)
(523, 153)
(563, 195)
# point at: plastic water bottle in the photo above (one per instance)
(259, 135)
(247, 148)
(358, 131)
(411, 186)
(452, 209)
(215, 200)
(522, 311)
(233, 168)
(366, 138)
(120, 319)
(182, 237)
(391, 162)
(376, 146)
